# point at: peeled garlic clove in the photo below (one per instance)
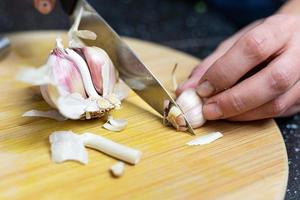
(101, 68)
(191, 105)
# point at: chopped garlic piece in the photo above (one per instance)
(115, 124)
(51, 114)
(112, 148)
(117, 169)
(205, 139)
(65, 145)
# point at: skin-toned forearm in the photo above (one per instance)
(290, 7)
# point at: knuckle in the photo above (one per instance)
(220, 76)
(280, 80)
(236, 101)
(255, 45)
(277, 108)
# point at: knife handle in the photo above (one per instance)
(68, 5)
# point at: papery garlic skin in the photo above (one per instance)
(101, 68)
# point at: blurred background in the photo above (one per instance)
(193, 26)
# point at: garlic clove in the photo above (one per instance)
(65, 73)
(191, 105)
(84, 71)
(188, 99)
(50, 99)
(101, 68)
(195, 116)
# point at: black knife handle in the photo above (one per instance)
(68, 5)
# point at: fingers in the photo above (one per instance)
(250, 50)
(277, 78)
(200, 69)
(291, 111)
(44, 6)
(284, 105)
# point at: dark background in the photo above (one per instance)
(195, 27)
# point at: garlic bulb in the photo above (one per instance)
(191, 105)
(78, 81)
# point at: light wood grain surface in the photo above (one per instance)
(249, 162)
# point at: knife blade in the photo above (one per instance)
(131, 69)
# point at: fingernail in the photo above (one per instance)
(205, 89)
(212, 111)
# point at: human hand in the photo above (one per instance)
(271, 92)
(44, 6)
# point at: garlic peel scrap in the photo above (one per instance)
(65, 145)
(205, 139)
(51, 114)
(34, 76)
(112, 148)
(117, 169)
(121, 90)
(86, 34)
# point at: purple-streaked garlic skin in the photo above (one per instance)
(97, 60)
(65, 73)
(191, 105)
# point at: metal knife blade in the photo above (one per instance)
(131, 70)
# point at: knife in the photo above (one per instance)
(131, 70)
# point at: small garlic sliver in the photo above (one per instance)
(205, 139)
(115, 124)
(117, 169)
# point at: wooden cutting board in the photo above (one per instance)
(249, 162)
